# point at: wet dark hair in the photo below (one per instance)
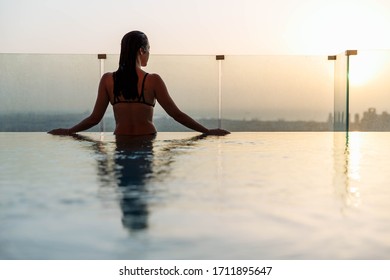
(126, 78)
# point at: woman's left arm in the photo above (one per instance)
(97, 114)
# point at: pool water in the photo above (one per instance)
(295, 195)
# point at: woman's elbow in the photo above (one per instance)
(94, 120)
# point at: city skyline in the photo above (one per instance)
(42, 122)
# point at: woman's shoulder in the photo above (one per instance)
(107, 80)
(154, 78)
(154, 75)
(107, 77)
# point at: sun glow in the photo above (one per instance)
(364, 67)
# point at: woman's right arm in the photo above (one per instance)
(165, 100)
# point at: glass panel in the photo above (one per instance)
(35, 88)
(370, 90)
(110, 65)
(192, 81)
(40, 92)
(44, 83)
(340, 93)
(277, 93)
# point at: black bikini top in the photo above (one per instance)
(139, 99)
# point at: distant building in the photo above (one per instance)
(357, 119)
(372, 121)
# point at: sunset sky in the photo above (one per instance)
(287, 87)
(195, 26)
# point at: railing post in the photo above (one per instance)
(102, 58)
(219, 58)
(348, 53)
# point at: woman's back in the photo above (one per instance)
(133, 116)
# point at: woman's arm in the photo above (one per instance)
(165, 100)
(97, 114)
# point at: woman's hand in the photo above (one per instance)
(60, 131)
(217, 131)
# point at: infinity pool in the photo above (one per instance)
(179, 196)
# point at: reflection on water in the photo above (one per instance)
(129, 164)
(243, 196)
(347, 157)
(133, 161)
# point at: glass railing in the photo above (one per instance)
(362, 90)
(40, 91)
(340, 92)
(369, 91)
(243, 93)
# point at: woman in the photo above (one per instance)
(133, 94)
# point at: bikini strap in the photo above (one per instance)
(142, 89)
(143, 82)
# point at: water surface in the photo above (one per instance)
(181, 196)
